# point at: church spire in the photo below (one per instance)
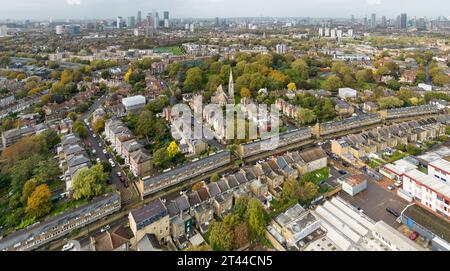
(231, 86)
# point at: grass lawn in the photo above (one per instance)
(315, 176)
(175, 50)
(395, 156)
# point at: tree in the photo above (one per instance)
(128, 75)
(301, 68)
(221, 236)
(73, 116)
(198, 186)
(214, 177)
(80, 129)
(413, 149)
(292, 86)
(240, 206)
(245, 93)
(291, 190)
(389, 102)
(173, 149)
(39, 202)
(106, 74)
(441, 79)
(332, 83)
(193, 79)
(89, 183)
(308, 191)
(306, 116)
(106, 166)
(241, 237)
(160, 157)
(28, 189)
(144, 125)
(364, 76)
(255, 215)
(99, 125)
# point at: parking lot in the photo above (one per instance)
(374, 201)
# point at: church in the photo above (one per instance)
(221, 97)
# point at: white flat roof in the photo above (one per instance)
(429, 181)
(400, 167)
(441, 164)
(395, 237)
(134, 100)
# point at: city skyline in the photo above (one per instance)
(81, 9)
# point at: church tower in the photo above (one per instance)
(231, 87)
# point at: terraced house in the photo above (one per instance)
(55, 227)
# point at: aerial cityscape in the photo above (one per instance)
(182, 126)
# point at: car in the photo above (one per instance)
(100, 144)
(98, 160)
(122, 179)
(390, 187)
(342, 172)
(94, 135)
(105, 228)
(345, 164)
(398, 183)
(104, 151)
(413, 236)
(67, 247)
(392, 211)
(119, 174)
(94, 151)
(113, 164)
(125, 184)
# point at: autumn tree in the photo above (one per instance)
(73, 116)
(214, 177)
(292, 86)
(221, 237)
(245, 93)
(198, 186)
(28, 189)
(308, 191)
(98, 125)
(89, 183)
(173, 149)
(39, 203)
(241, 237)
(291, 189)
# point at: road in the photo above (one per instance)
(129, 195)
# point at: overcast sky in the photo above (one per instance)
(80, 9)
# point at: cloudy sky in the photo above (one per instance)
(62, 9)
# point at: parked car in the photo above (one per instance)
(343, 172)
(119, 174)
(94, 151)
(398, 183)
(104, 151)
(393, 212)
(390, 187)
(413, 236)
(94, 135)
(125, 184)
(67, 247)
(122, 179)
(98, 160)
(105, 228)
(345, 164)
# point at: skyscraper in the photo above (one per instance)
(155, 18)
(131, 22)
(373, 21)
(166, 15)
(383, 21)
(403, 20)
(139, 18)
(119, 22)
